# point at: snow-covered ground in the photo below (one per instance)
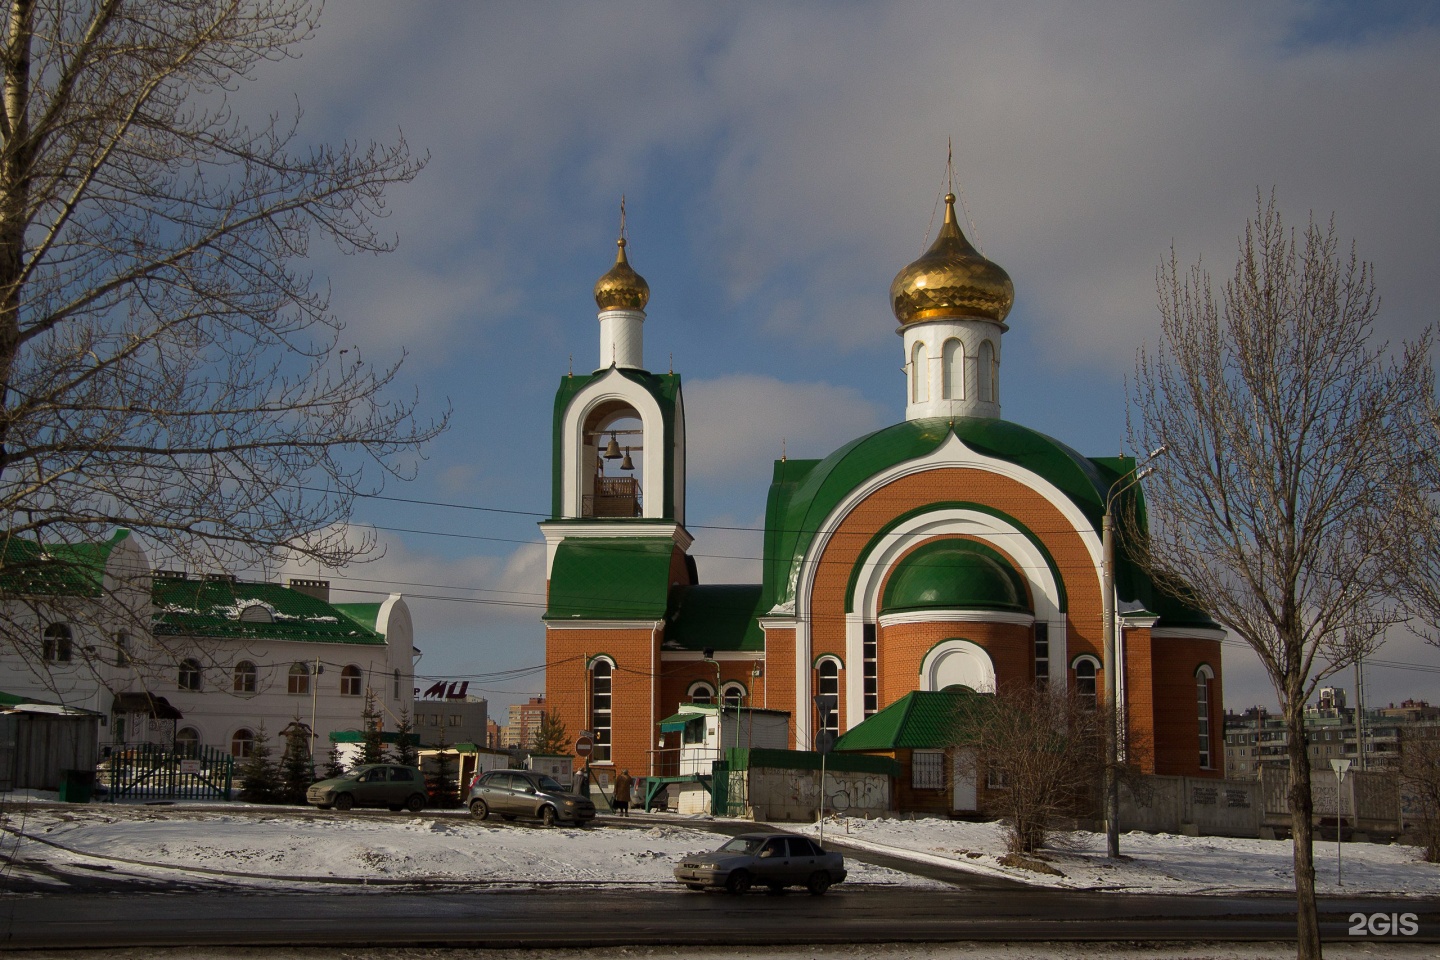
(270, 846)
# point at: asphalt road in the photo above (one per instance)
(586, 916)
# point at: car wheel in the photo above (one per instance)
(818, 883)
(547, 816)
(479, 810)
(416, 803)
(738, 882)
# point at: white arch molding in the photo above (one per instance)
(953, 452)
(957, 662)
(614, 386)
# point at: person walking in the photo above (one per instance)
(622, 793)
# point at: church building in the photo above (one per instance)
(951, 550)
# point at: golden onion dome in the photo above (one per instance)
(621, 288)
(951, 280)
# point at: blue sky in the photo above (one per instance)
(781, 162)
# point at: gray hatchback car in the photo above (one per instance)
(390, 785)
(525, 793)
(774, 860)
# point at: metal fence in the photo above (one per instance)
(149, 771)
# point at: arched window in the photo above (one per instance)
(985, 373)
(244, 677)
(396, 695)
(1086, 667)
(919, 374)
(701, 692)
(242, 742)
(350, 681)
(827, 684)
(299, 679)
(601, 673)
(952, 386)
(189, 677)
(1203, 676)
(187, 741)
(58, 644)
(733, 694)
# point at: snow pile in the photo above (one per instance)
(1152, 863)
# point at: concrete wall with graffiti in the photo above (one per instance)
(775, 794)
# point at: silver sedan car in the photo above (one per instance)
(774, 860)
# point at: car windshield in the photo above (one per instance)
(552, 786)
(745, 845)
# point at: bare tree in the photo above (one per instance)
(1041, 756)
(167, 364)
(1292, 451)
(1420, 779)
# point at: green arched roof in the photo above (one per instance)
(805, 492)
(954, 574)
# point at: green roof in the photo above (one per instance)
(28, 568)
(224, 608)
(714, 616)
(954, 574)
(610, 578)
(920, 720)
(365, 614)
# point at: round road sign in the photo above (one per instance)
(583, 746)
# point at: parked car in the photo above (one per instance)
(774, 860)
(525, 793)
(390, 785)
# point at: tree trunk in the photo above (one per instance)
(1307, 933)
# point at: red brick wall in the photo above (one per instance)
(1176, 710)
(778, 687)
(903, 647)
(634, 700)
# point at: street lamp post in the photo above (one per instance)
(1112, 671)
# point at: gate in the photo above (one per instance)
(148, 771)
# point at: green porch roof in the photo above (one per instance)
(225, 609)
(718, 616)
(920, 720)
(610, 578)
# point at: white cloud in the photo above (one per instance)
(737, 426)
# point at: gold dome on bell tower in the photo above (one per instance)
(621, 288)
(951, 280)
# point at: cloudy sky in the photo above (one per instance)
(780, 162)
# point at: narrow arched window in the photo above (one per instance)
(244, 677)
(1203, 676)
(299, 678)
(396, 695)
(919, 374)
(242, 743)
(827, 685)
(189, 677)
(58, 644)
(1086, 669)
(122, 650)
(701, 692)
(350, 681)
(952, 385)
(601, 678)
(985, 372)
